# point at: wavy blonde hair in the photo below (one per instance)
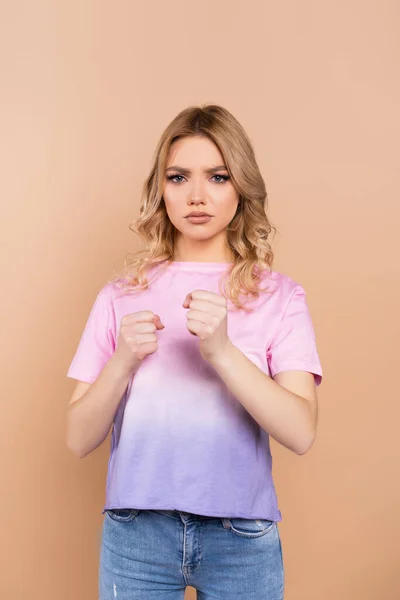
(247, 233)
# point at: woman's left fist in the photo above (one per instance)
(207, 318)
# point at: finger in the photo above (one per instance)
(210, 296)
(142, 316)
(207, 306)
(142, 327)
(187, 300)
(148, 338)
(199, 315)
(195, 327)
(157, 322)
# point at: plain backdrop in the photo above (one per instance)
(86, 89)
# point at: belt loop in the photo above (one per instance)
(226, 522)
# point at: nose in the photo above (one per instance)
(196, 195)
(196, 201)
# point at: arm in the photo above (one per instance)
(285, 408)
(90, 416)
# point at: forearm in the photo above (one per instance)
(89, 419)
(281, 413)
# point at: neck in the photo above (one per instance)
(202, 251)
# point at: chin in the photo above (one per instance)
(200, 235)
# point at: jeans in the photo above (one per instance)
(156, 554)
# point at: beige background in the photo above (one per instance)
(87, 88)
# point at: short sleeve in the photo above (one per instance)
(293, 345)
(97, 343)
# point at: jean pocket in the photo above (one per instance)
(250, 528)
(122, 515)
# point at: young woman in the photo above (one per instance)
(196, 353)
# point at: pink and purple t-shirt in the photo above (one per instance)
(180, 439)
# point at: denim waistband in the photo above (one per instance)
(181, 514)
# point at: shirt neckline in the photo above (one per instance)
(189, 265)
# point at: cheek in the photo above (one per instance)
(224, 193)
(175, 206)
(227, 203)
(174, 193)
(172, 201)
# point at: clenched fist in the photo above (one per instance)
(137, 338)
(207, 318)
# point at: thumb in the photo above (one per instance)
(157, 322)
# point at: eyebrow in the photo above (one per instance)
(188, 171)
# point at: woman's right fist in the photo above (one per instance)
(137, 338)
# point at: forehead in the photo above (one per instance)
(194, 151)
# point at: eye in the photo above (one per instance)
(224, 178)
(172, 177)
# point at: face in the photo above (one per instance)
(196, 180)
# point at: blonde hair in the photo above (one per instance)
(248, 231)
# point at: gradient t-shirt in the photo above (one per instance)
(180, 440)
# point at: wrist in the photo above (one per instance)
(224, 357)
(119, 369)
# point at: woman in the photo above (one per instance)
(196, 353)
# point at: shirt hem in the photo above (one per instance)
(275, 516)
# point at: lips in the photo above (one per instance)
(198, 214)
(198, 218)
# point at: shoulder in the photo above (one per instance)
(280, 283)
(108, 293)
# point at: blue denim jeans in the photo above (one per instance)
(156, 554)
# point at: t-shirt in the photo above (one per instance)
(180, 439)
